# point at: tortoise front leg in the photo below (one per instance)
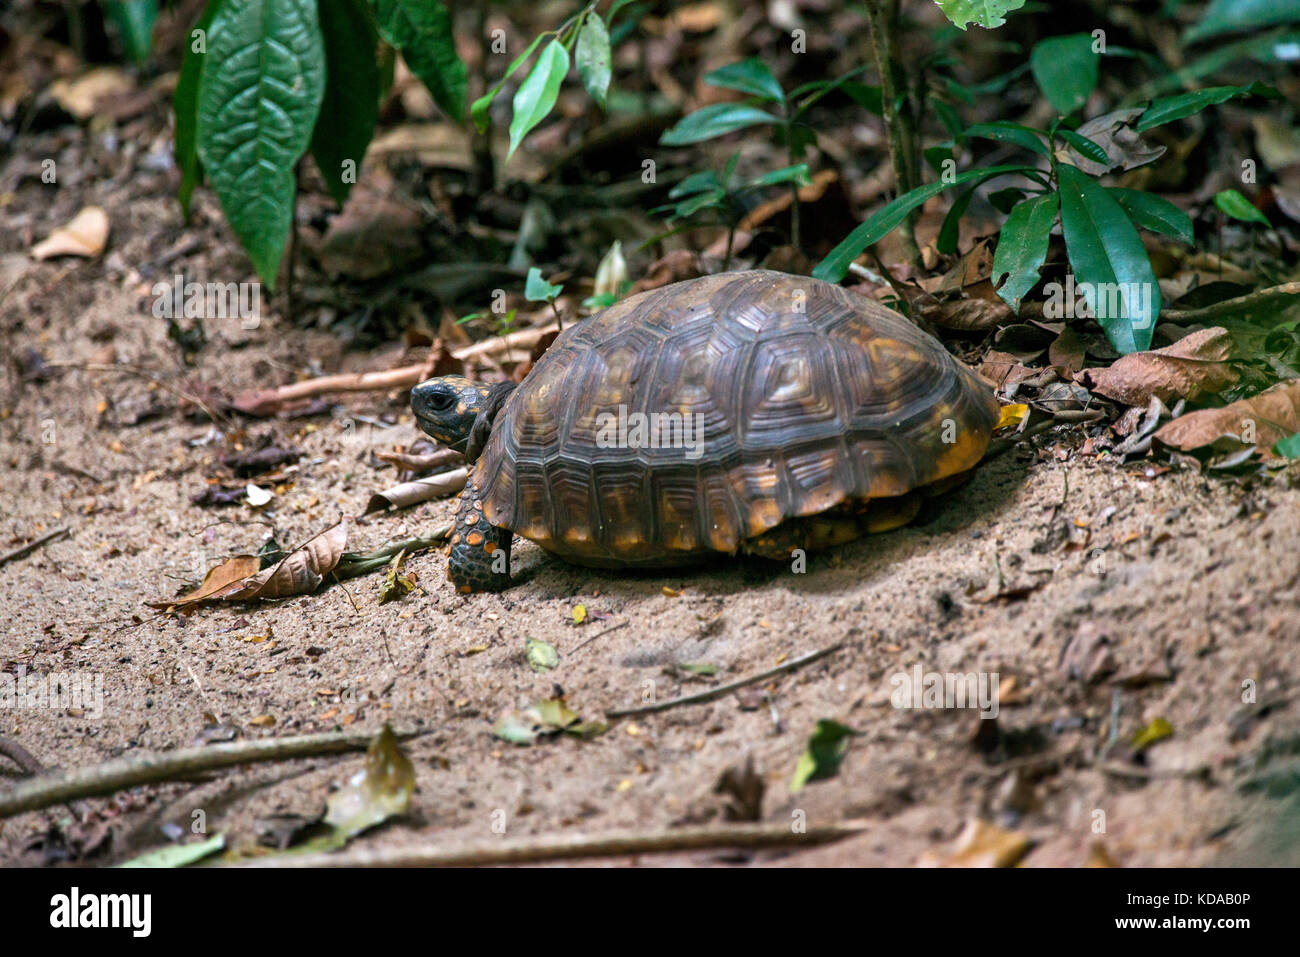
(480, 552)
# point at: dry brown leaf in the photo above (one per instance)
(421, 490)
(969, 315)
(1067, 351)
(84, 236)
(1123, 145)
(1191, 367)
(229, 573)
(301, 571)
(1261, 421)
(80, 96)
(981, 845)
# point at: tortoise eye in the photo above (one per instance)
(441, 401)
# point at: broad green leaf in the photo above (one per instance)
(1288, 448)
(185, 103)
(867, 97)
(478, 112)
(421, 29)
(1233, 16)
(1185, 104)
(1013, 133)
(178, 855)
(1154, 213)
(988, 14)
(537, 289)
(134, 20)
(258, 101)
(592, 57)
(1066, 70)
(950, 232)
(1239, 207)
(879, 225)
(1004, 200)
(689, 207)
(750, 76)
(1022, 247)
(822, 757)
(715, 120)
(537, 94)
(1109, 260)
(350, 107)
(1085, 147)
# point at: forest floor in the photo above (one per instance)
(1104, 597)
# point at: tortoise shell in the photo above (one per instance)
(808, 396)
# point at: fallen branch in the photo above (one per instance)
(261, 402)
(30, 547)
(615, 843)
(121, 773)
(721, 690)
(27, 761)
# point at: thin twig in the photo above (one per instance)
(599, 634)
(721, 690)
(614, 843)
(129, 772)
(20, 756)
(30, 547)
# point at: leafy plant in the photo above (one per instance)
(768, 105)
(715, 199)
(264, 82)
(1099, 224)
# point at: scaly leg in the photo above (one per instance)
(480, 552)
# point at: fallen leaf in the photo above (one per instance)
(541, 656)
(420, 490)
(379, 791)
(395, 585)
(1157, 730)
(84, 236)
(1257, 422)
(1010, 415)
(229, 573)
(822, 756)
(1114, 133)
(178, 855)
(80, 96)
(982, 845)
(1193, 366)
(579, 614)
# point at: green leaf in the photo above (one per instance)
(478, 112)
(1186, 104)
(1288, 448)
(695, 183)
(134, 20)
(538, 93)
(1066, 70)
(350, 107)
(1013, 133)
(258, 102)
(822, 757)
(1022, 247)
(537, 289)
(1239, 207)
(1233, 16)
(541, 656)
(836, 264)
(716, 120)
(1004, 200)
(789, 174)
(1085, 147)
(1154, 213)
(421, 29)
(592, 57)
(988, 14)
(950, 232)
(689, 207)
(750, 76)
(178, 855)
(1109, 260)
(185, 104)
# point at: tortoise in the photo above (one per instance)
(754, 412)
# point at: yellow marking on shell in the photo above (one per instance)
(577, 535)
(474, 539)
(887, 514)
(763, 514)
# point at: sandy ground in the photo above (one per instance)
(1189, 584)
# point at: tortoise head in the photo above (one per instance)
(446, 408)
